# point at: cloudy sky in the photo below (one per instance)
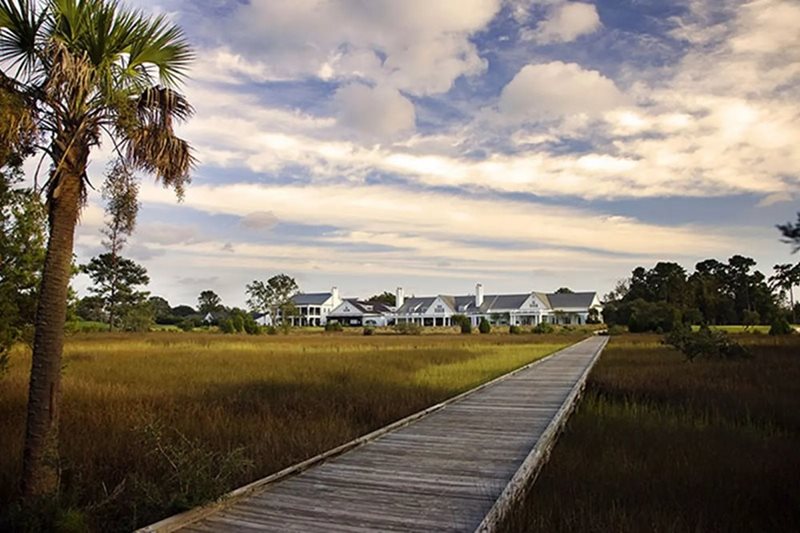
(433, 144)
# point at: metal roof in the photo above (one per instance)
(311, 298)
(571, 300)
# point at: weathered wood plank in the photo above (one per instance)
(454, 467)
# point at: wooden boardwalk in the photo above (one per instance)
(457, 468)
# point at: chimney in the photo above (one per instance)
(335, 294)
(400, 297)
(478, 295)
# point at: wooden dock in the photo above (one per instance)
(457, 466)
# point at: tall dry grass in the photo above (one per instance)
(663, 445)
(274, 400)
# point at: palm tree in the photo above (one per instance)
(786, 277)
(86, 68)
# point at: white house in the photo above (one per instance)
(312, 308)
(509, 309)
(353, 312)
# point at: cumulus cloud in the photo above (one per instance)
(378, 111)
(259, 220)
(414, 45)
(565, 22)
(557, 89)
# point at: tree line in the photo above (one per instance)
(730, 293)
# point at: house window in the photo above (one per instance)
(440, 309)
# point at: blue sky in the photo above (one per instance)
(523, 144)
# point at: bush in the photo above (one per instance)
(653, 316)
(250, 326)
(780, 326)
(226, 326)
(138, 318)
(272, 330)
(187, 324)
(705, 343)
(514, 330)
(484, 326)
(238, 323)
(463, 322)
(333, 326)
(543, 328)
(189, 473)
(750, 318)
(616, 329)
(407, 328)
(369, 331)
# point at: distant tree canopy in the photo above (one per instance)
(183, 311)
(273, 296)
(565, 290)
(116, 283)
(791, 233)
(208, 302)
(386, 298)
(715, 293)
(786, 276)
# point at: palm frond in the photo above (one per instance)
(158, 42)
(152, 143)
(17, 120)
(160, 152)
(20, 24)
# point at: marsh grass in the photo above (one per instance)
(266, 402)
(660, 444)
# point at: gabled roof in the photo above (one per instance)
(542, 296)
(571, 300)
(311, 298)
(416, 305)
(366, 308)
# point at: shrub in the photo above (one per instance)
(407, 328)
(543, 328)
(187, 324)
(751, 318)
(484, 326)
(189, 473)
(238, 323)
(226, 326)
(272, 330)
(250, 326)
(138, 318)
(333, 326)
(653, 316)
(780, 326)
(704, 343)
(616, 329)
(514, 330)
(369, 331)
(463, 322)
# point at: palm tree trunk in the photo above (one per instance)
(40, 476)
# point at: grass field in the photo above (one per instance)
(158, 422)
(659, 444)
